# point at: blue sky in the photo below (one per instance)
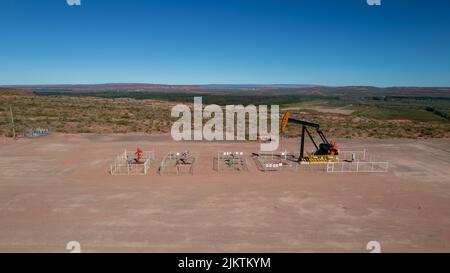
(226, 41)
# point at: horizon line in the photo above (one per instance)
(228, 84)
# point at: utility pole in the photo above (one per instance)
(12, 122)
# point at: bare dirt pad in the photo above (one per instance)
(57, 189)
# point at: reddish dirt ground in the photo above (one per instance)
(57, 189)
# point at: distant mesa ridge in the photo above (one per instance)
(153, 87)
(211, 88)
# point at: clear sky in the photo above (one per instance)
(340, 42)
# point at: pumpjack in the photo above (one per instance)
(325, 149)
